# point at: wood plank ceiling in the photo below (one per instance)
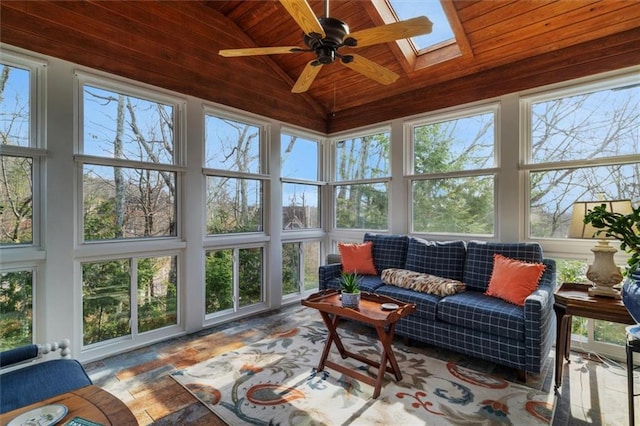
(502, 46)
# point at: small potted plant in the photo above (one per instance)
(623, 228)
(350, 284)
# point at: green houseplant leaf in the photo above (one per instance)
(350, 282)
(623, 228)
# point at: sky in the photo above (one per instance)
(432, 9)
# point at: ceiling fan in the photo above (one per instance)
(326, 35)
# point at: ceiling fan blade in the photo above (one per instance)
(301, 12)
(390, 32)
(253, 51)
(371, 69)
(306, 78)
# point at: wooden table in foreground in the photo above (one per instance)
(573, 299)
(90, 402)
(370, 312)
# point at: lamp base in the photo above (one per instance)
(605, 291)
(604, 273)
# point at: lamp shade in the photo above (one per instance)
(577, 227)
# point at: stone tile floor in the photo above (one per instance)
(593, 392)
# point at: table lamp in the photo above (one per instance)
(603, 273)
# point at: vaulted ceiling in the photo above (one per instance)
(502, 46)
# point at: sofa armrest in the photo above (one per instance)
(327, 273)
(40, 381)
(540, 319)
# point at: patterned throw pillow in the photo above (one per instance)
(423, 283)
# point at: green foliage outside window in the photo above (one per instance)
(461, 205)
(362, 206)
(219, 281)
(250, 276)
(16, 309)
(157, 293)
(290, 268)
(106, 300)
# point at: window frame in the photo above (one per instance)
(30, 257)
(319, 183)
(527, 167)
(333, 182)
(236, 308)
(411, 177)
(565, 248)
(36, 151)
(264, 176)
(81, 159)
(134, 333)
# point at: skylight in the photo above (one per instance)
(432, 9)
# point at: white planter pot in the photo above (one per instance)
(350, 300)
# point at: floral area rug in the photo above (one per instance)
(275, 382)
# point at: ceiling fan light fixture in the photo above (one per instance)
(326, 55)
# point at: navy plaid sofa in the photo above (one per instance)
(469, 322)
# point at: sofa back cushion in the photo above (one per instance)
(442, 259)
(479, 262)
(389, 251)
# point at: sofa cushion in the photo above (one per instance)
(479, 262)
(476, 311)
(357, 258)
(389, 251)
(439, 258)
(513, 280)
(424, 283)
(426, 304)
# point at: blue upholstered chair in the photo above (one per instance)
(26, 377)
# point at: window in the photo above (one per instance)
(236, 181)
(300, 263)
(19, 156)
(128, 296)
(129, 188)
(300, 186)
(362, 176)
(235, 175)
(452, 174)
(16, 308)
(234, 279)
(301, 208)
(441, 32)
(22, 157)
(131, 163)
(583, 144)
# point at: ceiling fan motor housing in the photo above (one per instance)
(335, 32)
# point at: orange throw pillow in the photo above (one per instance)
(357, 258)
(513, 280)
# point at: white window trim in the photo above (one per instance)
(37, 139)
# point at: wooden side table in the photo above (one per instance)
(573, 299)
(90, 402)
(370, 312)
